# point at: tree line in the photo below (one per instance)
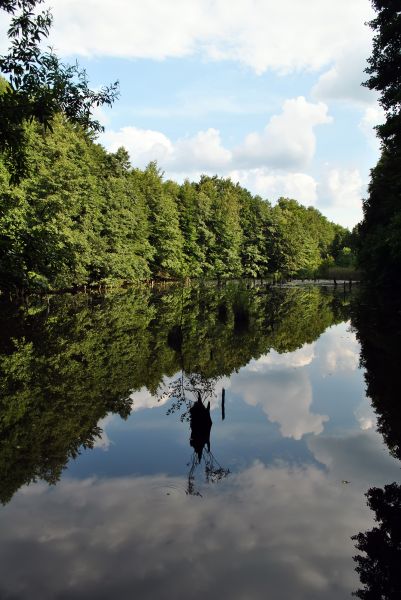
(81, 215)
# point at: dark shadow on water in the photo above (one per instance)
(190, 396)
(377, 322)
(201, 424)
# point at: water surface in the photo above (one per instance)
(96, 394)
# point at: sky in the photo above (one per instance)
(266, 93)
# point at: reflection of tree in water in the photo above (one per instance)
(377, 319)
(201, 424)
(67, 362)
(185, 389)
(379, 568)
(191, 395)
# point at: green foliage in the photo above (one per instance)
(84, 216)
(221, 218)
(380, 239)
(165, 235)
(124, 251)
(257, 225)
(385, 68)
(296, 248)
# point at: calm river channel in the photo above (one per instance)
(193, 442)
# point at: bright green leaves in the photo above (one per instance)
(84, 216)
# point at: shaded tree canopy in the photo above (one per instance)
(380, 246)
(384, 67)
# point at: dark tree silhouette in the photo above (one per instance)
(380, 248)
(379, 566)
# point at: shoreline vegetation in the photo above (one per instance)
(341, 278)
(82, 217)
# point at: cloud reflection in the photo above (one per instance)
(284, 395)
(338, 350)
(279, 532)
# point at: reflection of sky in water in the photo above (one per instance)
(119, 525)
(274, 406)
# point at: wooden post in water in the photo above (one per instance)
(223, 404)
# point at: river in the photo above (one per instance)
(197, 441)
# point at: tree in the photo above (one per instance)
(164, 232)
(221, 208)
(190, 225)
(380, 247)
(295, 250)
(38, 84)
(124, 249)
(385, 67)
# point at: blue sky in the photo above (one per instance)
(263, 92)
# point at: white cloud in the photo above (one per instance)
(338, 350)
(359, 457)
(288, 140)
(272, 184)
(143, 399)
(343, 81)
(104, 441)
(203, 150)
(284, 396)
(285, 146)
(299, 358)
(143, 145)
(105, 538)
(372, 116)
(261, 34)
(341, 194)
(365, 415)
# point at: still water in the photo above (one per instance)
(114, 486)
